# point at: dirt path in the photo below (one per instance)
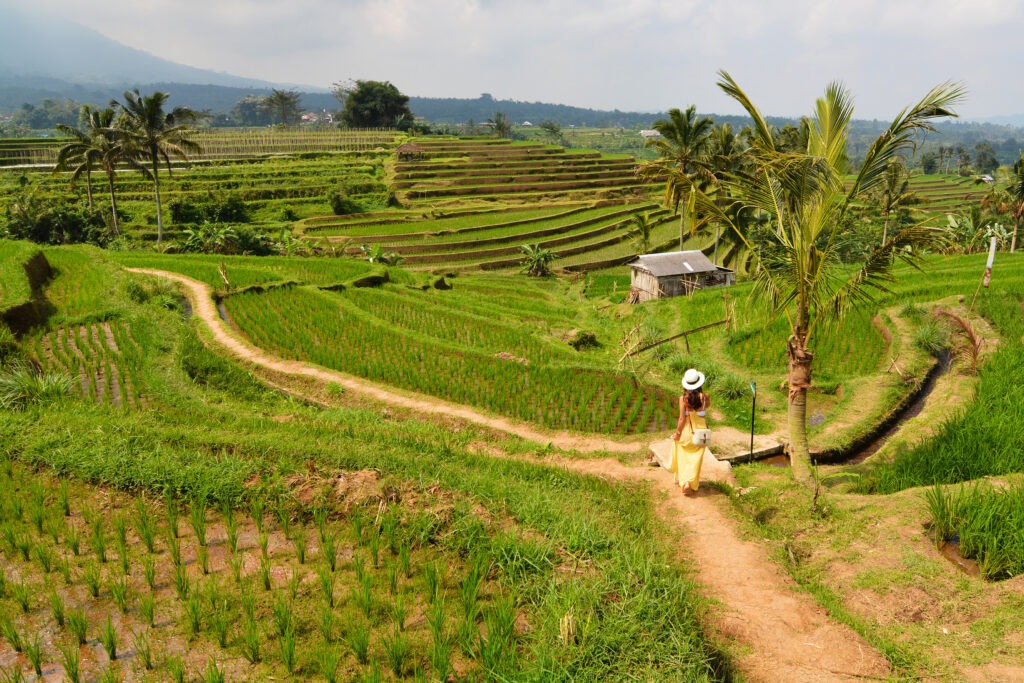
(777, 632)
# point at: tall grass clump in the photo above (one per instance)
(988, 521)
(23, 385)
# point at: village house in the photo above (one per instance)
(674, 273)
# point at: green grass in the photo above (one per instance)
(15, 288)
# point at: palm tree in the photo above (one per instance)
(501, 125)
(683, 150)
(157, 135)
(803, 195)
(80, 154)
(100, 146)
(894, 192)
(641, 231)
(1016, 193)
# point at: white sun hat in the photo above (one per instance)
(692, 379)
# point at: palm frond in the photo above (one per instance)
(901, 134)
(762, 131)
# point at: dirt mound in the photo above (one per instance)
(343, 490)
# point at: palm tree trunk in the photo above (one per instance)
(88, 186)
(800, 358)
(885, 228)
(682, 225)
(1016, 227)
(156, 188)
(113, 202)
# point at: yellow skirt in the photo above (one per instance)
(687, 458)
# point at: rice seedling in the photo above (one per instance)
(358, 522)
(264, 541)
(469, 589)
(77, 625)
(373, 675)
(124, 560)
(441, 658)
(467, 634)
(282, 613)
(329, 551)
(174, 548)
(57, 608)
(203, 558)
(399, 612)
(220, 623)
(34, 654)
(264, 573)
(73, 538)
(98, 539)
(143, 649)
(212, 673)
(11, 634)
(498, 649)
(120, 592)
(327, 660)
(359, 567)
(236, 562)
(197, 519)
(145, 526)
(173, 513)
(147, 609)
(108, 638)
(182, 586)
(121, 530)
(149, 571)
(193, 612)
(248, 601)
(175, 668)
(357, 638)
(63, 567)
(326, 622)
(230, 527)
(362, 595)
(320, 521)
(37, 516)
(405, 559)
(392, 577)
(374, 546)
(45, 557)
(23, 542)
(299, 542)
(287, 644)
(70, 660)
(64, 498)
(256, 510)
(3, 583)
(9, 535)
(284, 516)
(21, 592)
(12, 675)
(110, 675)
(389, 529)
(55, 529)
(397, 651)
(326, 581)
(432, 581)
(251, 641)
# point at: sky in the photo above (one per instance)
(632, 55)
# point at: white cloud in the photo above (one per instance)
(626, 54)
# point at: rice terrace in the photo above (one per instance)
(374, 404)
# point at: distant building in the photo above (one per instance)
(527, 124)
(647, 134)
(674, 273)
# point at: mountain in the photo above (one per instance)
(43, 56)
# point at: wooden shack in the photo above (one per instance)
(674, 273)
(409, 152)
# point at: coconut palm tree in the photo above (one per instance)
(1016, 193)
(157, 135)
(80, 154)
(894, 192)
(803, 195)
(683, 159)
(100, 146)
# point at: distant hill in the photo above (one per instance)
(46, 56)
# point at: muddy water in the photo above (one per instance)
(912, 410)
(951, 551)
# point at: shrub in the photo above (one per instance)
(23, 385)
(211, 208)
(341, 204)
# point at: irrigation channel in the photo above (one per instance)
(775, 630)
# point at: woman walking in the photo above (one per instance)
(691, 438)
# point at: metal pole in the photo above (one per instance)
(753, 412)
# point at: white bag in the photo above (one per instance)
(701, 437)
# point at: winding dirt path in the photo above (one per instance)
(774, 630)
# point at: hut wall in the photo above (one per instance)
(645, 283)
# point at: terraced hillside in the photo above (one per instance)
(452, 170)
